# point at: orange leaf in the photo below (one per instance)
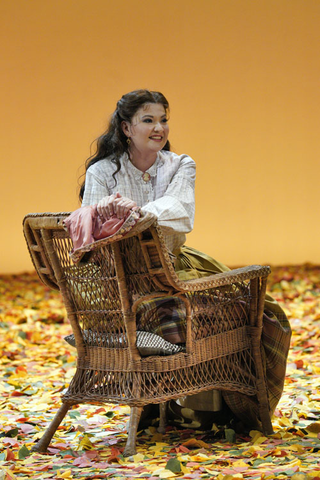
(194, 443)
(114, 457)
(182, 449)
(10, 455)
(21, 368)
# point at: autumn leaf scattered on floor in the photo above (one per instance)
(37, 365)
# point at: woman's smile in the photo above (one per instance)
(156, 138)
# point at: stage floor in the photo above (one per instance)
(37, 364)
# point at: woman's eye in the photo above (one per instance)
(149, 120)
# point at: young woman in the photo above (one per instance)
(133, 166)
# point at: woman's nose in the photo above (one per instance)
(158, 127)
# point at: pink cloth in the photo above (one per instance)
(85, 226)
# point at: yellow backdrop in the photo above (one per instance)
(242, 78)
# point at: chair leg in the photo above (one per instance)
(266, 420)
(135, 415)
(42, 445)
(163, 417)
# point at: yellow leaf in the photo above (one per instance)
(185, 470)
(164, 473)
(138, 458)
(159, 446)
(85, 444)
(211, 472)
(13, 380)
(252, 449)
(167, 474)
(257, 437)
(200, 457)
(239, 463)
(286, 422)
(260, 440)
(297, 447)
(66, 474)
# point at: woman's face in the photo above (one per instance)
(148, 129)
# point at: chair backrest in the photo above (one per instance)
(145, 253)
(98, 291)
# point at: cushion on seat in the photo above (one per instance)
(147, 343)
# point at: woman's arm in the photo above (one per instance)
(116, 205)
(107, 204)
(175, 209)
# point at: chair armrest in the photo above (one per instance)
(226, 278)
(144, 222)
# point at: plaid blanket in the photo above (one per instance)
(275, 343)
(164, 316)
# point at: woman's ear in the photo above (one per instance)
(126, 128)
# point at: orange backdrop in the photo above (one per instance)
(242, 78)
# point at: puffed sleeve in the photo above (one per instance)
(95, 189)
(175, 209)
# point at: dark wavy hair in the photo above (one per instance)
(113, 142)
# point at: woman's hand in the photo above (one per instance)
(116, 205)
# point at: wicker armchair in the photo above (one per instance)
(102, 294)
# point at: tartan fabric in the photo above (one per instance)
(165, 316)
(275, 342)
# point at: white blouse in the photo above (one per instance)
(169, 193)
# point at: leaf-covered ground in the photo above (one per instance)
(37, 364)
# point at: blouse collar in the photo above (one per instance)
(152, 170)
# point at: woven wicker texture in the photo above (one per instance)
(102, 295)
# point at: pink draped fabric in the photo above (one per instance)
(85, 226)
